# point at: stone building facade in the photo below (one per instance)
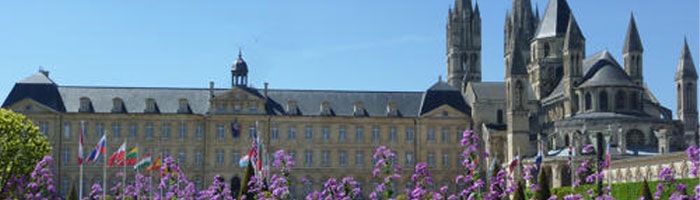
(554, 96)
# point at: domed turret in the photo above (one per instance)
(239, 72)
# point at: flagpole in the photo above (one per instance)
(80, 151)
(104, 169)
(137, 170)
(124, 167)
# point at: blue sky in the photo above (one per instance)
(301, 44)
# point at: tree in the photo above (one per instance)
(21, 147)
(519, 192)
(646, 192)
(73, 195)
(543, 181)
(246, 178)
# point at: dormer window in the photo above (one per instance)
(293, 108)
(118, 105)
(183, 106)
(359, 109)
(326, 109)
(85, 105)
(151, 106)
(392, 110)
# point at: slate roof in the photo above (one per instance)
(600, 69)
(38, 87)
(440, 94)
(556, 18)
(495, 91)
(67, 99)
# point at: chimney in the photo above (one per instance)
(211, 89)
(265, 91)
(45, 72)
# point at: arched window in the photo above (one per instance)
(546, 50)
(679, 98)
(499, 116)
(620, 100)
(634, 101)
(519, 93)
(575, 103)
(603, 101)
(588, 101)
(689, 94)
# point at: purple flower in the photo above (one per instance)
(588, 148)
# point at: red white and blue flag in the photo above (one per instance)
(99, 149)
(80, 144)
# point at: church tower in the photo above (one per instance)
(546, 59)
(521, 20)
(632, 53)
(574, 53)
(463, 44)
(686, 91)
(239, 72)
(517, 114)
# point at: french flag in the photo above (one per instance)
(99, 149)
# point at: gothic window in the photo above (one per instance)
(575, 104)
(519, 93)
(546, 50)
(634, 100)
(603, 100)
(679, 97)
(620, 100)
(588, 101)
(473, 60)
(688, 96)
(463, 64)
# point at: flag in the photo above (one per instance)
(131, 156)
(99, 149)
(492, 167)
(144, 163)
(118, 156)
(243, 162)
(607, 155)
(571, 155)
(155, 165)
(514, 163)
(80, 145)
(235, 129)
(538, 161)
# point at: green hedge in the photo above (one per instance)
(624, 190)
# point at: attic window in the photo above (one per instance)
(183, 106)
(85, 105)
(151, 106)
(118, 105)
(392, 110)
(326, 109)
(359, 109)
(292, 107)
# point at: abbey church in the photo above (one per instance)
(555, 98)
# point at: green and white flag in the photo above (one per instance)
(143, 163)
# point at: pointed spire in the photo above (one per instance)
(574, 37)
(240, 53)
(632, 40)
(537, 12)
(517, 62)
(553, 23)
(464, 5)
(476, 9)
(686, 67)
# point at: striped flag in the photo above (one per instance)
(118, 156)
(514, 163)
(571, 155)
(144, 163)
(80, 145)
(99, 149)
(155, 165)
(131, 156)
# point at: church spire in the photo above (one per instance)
(632, 41)
(574, 37)
(686, 67)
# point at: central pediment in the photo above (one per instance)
(238, 100)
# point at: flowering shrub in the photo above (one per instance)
(141, 188)
(41, 181)
(422, 181)
(668, 184)
(218, 190)
(174, 183)
(471, 179)
(384, 165)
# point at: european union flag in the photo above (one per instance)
(235, 129)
